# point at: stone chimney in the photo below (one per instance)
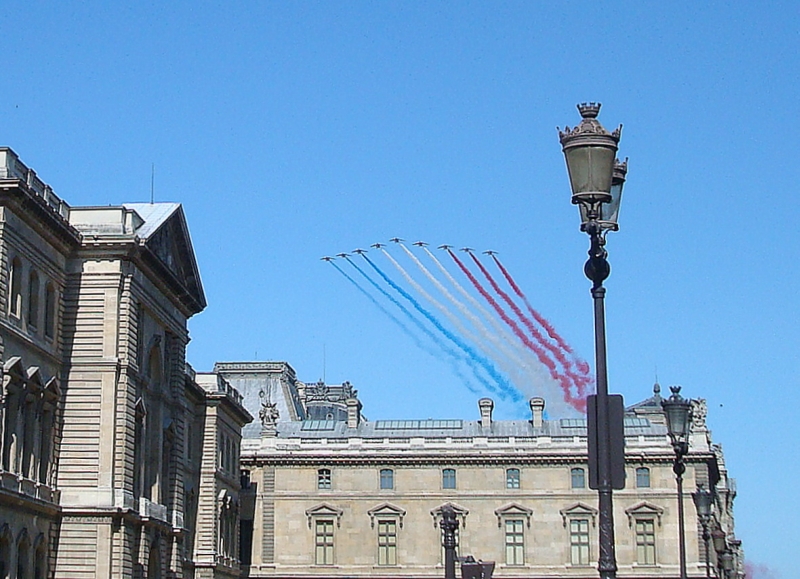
(537, 412)
(353, 412)
(486, 406)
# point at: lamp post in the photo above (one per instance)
(449, 527)
(679, 417)
(703, 499)
(596, 180)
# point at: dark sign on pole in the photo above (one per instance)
(616, 440)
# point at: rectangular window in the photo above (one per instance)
(645, 542)
(49, 311)
(387, 478)
(515, 548)
(324, 479)
(578, 478)
(449, 478)
(387, 542)
(323, 542)
(643, 478)
(579, 541)
(512, 478)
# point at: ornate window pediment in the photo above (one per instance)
(14, 367)
(325, 510)
(35, 383)
(513, 510)
(386, 510)
(461, 513)
(53, 388)
(644, 509)
(581, 510)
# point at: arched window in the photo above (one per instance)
(33, 299)
(40, 558)
(5, 552)
(15, 299)
(49, 310)
(324, 479)
(449, 478)
(154, 563)
(578, 476)
(643, 478)
(387, 478)
(512, 478)
(23, 555)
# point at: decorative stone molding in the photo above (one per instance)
(325, 510)
(578, 510)
(513, 510)
(643, 509)
(460, 511)
(386, 510)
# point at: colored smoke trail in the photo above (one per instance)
(406, 330)
(577, 399)
(476, 322)
(444, 310)
(472, 356)
(581, 365)
(499, 328)
(578, 404)
(453, 354)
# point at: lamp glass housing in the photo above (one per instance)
(703, 499)
(718, 538)
(678, 411)
(590, 168)
(727, 561)
(609, 211)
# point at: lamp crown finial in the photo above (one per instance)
(675, 389)
(589, 110)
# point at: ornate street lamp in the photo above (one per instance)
(596, 179)
(449, 527)
(703, 499)
(720, 542)
(679, 418)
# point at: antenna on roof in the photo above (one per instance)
(152, 183)
(324, 363)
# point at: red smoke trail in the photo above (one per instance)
(577, 402)
(582, 366)
(580, 382)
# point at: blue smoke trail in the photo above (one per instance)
(505, 389)
(455, 357)
(395, 319)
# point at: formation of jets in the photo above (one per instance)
(379, 245)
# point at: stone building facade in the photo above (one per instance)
(340, 496)
(104, 429)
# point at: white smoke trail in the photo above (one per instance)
(531, 378)
(499, 344)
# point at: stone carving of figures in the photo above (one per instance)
(699, 413)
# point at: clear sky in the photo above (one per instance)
(290, 131)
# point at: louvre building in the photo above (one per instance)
(119, 460)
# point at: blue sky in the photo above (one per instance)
(290, 131)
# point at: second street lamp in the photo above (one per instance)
(703, 499)
(596, 179)
(679, 419)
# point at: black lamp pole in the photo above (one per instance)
(596, 179)
(679, 416)
(449, 527)
(703, 500)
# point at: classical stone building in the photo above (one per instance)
(115, 461)
(338, 496)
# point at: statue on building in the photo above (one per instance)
(699, 413)
(269, 413)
